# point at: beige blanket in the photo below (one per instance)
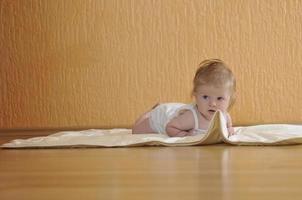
(272, 134)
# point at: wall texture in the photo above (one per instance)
(85, 63)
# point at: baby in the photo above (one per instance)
(214, 87)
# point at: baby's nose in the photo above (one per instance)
(212, 103)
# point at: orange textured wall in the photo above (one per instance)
(67, 64)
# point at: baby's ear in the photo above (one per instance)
(232, 101)
(193, 94)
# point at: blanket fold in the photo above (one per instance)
(270, 134)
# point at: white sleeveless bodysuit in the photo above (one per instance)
(161, 115)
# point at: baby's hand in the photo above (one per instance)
(231, 131)
(229, 125)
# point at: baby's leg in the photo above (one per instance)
(142, 123)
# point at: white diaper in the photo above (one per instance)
(161, 115)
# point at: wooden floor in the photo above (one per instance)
(203, 172)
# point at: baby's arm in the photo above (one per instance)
(230, 125)
(181, 125)
(142, 125)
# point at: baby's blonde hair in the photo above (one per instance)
(216, 73)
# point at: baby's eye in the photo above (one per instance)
(220, 98)
(205, 97)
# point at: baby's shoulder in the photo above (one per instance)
(184, 117)
(185, 113)
(227, 115)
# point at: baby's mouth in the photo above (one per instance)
(212, 111)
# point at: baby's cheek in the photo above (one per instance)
(223, 107)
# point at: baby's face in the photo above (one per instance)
(209, 99)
